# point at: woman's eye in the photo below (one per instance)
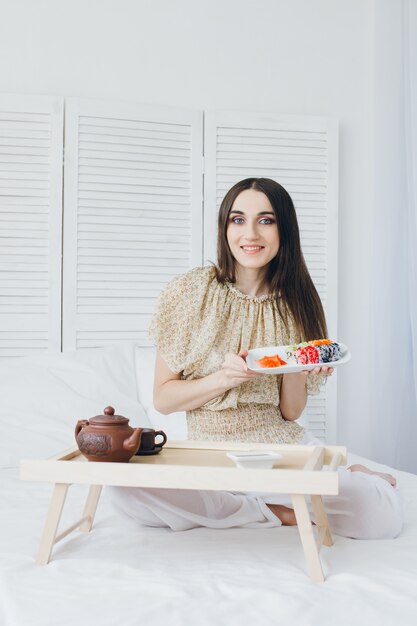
(264, 220)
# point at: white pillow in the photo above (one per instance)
(43, 396)
(174, 424)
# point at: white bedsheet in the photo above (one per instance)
(124, 574)
(121, 573)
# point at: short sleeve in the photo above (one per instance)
(177, 318)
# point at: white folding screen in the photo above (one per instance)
(133, 215)
(31, 143)
(301, 153)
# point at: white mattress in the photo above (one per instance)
(123, 574)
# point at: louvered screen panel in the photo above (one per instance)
(31, 140)
(133, 215)
(301, 154)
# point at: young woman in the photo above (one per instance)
(260, 293)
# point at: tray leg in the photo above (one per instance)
(308, 540)
(90, 507)
(322, 522)
(51, 524)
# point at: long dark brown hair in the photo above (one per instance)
(287, 274)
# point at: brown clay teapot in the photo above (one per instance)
(107, 437)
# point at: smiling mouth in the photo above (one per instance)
(251, 249)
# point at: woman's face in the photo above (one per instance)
(252, 231)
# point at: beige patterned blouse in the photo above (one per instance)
(196, 322)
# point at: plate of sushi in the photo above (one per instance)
(297, 357)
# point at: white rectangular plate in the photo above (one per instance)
(255, 459)
(257, 353)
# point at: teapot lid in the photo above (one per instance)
(109, 418)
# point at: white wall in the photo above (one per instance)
(303, 56)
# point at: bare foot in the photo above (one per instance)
(361, 468)
(286, 515)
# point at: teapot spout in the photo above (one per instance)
(132, 443)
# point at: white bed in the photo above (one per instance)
(121, 573)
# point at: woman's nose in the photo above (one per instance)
(251, 231)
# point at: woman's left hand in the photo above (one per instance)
(324, 370)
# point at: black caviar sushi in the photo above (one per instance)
(329, 352)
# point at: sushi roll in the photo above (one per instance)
(334, 351)
(301, 356)
(324, 353)
(312, 354)
(306, 354)
(329, 352)
(290, 353)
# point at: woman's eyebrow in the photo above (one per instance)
(260, 213)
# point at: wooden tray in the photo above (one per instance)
(197, 465)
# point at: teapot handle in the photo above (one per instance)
(79, 426)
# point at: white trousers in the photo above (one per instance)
(367, 506)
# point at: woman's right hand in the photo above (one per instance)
(234, 371)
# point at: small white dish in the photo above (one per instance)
(257, 459)
(257, 353)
